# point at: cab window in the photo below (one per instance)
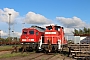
(56, 28)
(49, 28)
(31, 32)
(24, 32)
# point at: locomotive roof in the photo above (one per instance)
(39, 28)
(54, 26)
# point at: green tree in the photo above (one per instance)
(2, 39)
(89, 31)
(76, 32)
(80, 32)
(85, 30)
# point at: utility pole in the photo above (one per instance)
(9, 26)
(13, 32)
(0, 33)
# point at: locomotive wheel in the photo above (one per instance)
(20, 49)
(37, 51)
(43, 50)
(29, 49)
(53, 49)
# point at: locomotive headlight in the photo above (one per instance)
(23, 39)
(32, 39)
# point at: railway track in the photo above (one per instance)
(43, 57)
(39, 56)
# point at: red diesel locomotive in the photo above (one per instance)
(31, 36)
(47, 40)
(53, 39)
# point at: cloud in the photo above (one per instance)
(33, 18)
(44, 25)
(4, 15)
(5, 34)
(68, 31)
(17, 34)
(73, 22)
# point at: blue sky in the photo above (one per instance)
(68, 13)
(50, 8)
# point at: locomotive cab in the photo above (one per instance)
(53, 38)
(31, 36)
(28, 35)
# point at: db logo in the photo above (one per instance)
(27, 37)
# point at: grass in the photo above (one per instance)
(6, 47)
(8, 55)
